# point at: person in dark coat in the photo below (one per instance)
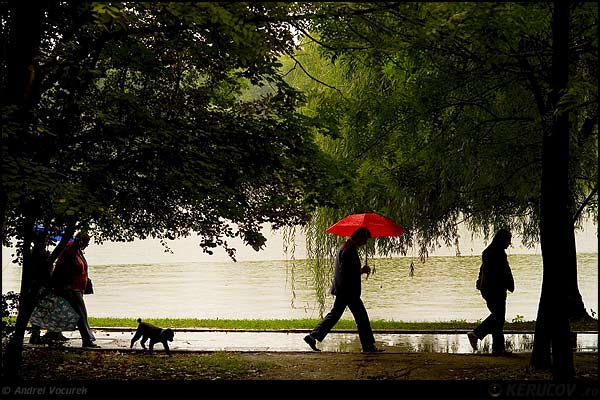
(495, 278)
(347, 289)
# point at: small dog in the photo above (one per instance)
(155, 334)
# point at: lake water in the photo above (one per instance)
(442, 288)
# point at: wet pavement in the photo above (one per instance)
(205, 340)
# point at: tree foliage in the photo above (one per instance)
(160, 119)
(438, 108)
(138, 125)
(479, 113)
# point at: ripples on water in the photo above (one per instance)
(442, 288)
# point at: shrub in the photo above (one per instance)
(10, 307)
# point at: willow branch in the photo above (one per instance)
(298, 63)
(584, 204)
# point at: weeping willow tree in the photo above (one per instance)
(328, 103)
(436, 113)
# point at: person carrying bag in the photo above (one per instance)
(71, 281)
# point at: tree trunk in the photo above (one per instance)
(24, 36)
(576, 308)
(552, 335)
(25, 31)
(14, 348)
(577, 311)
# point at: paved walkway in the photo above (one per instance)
(337, 341)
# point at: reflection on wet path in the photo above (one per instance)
(204, 340)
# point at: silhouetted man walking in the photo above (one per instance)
(346, 288)
(495, 278)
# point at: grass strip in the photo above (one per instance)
(311, 323)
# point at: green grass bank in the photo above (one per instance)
(262, 324)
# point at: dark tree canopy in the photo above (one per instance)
(437, 110)
(136, 120)
(475, 113)
(139, 123)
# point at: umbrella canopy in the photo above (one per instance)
(378, 225)
(40, 228)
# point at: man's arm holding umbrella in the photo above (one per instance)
(365, 270)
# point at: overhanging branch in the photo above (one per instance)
(298, 63)
(584, 204)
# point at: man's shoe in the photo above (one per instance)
(373, 349)
(473, 340)
(90, 345)
(501, 352)
(312, 342)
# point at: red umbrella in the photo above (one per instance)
(378, 225)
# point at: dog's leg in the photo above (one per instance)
(143, 342)
(152, 345)
(166, 346)
(135, 338)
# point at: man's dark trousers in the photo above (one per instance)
(494, 323)
(361, 317)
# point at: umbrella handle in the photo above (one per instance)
(371, 271)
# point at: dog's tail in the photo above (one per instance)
(139, 320)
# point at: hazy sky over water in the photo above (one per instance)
(187, 250)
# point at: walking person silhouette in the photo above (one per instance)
(495, 278)
(347, 289)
